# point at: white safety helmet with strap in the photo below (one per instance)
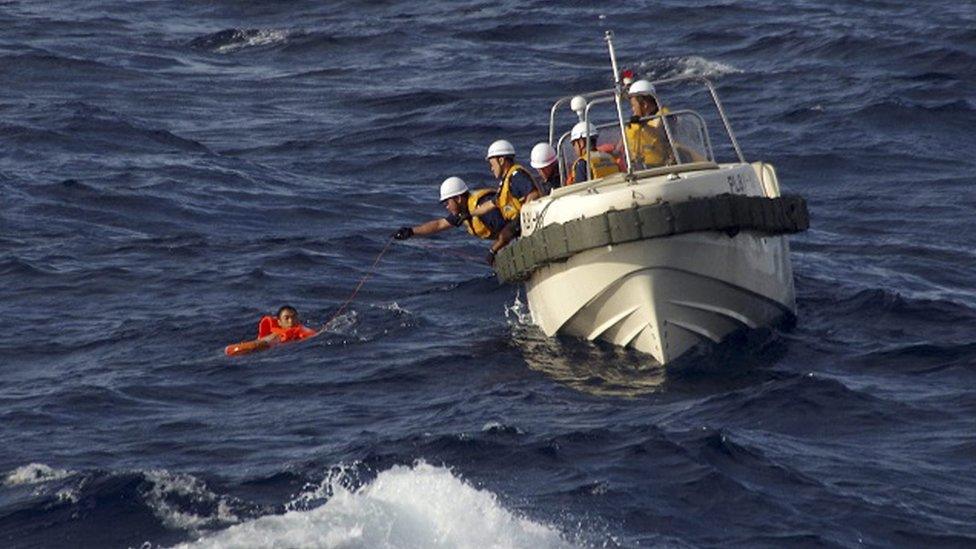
(580, 131)
(451, 187)
(542, 155)
(641, 87)
(500, 148)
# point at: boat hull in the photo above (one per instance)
(664, 296)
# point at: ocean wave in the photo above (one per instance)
(889, 110)
(80, 127)
(45, 66)
(417, 506)
(922, 358)
(158, 504)
(878, 302)
(234, 40)
(34, 473)
(670, 67)
(168, 494)
(807, 404)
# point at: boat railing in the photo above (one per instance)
(685, 146)
(562, 100)
(599, 97)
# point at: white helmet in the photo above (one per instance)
(500, 148)
(451, 187)
(542, 155)
(580, 131)
(641, 87)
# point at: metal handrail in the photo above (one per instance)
(718, 105)
(563, 161)
(561, 100)
(688, 78)
(559, 153)
(618, 93)
(703, 129)
(586, 122)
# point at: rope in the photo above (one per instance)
(362, 281)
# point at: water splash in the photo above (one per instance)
(518, 313)
(184, 501)
(34, 473)
(417, 506)
(693, 65)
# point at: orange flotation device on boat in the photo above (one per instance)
(267, 326)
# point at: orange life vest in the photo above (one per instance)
(509, 204)
(601, 164)
(269, 325)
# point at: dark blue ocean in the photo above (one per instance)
(171, 171)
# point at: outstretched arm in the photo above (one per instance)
(433, 226)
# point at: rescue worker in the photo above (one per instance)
(646, 139)
(545, 162)
(284, 326)
(460, 203)
(601, 164)
(515, 184)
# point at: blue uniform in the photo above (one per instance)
(582, 174)
(521, 184)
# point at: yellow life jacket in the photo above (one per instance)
(508, 204)
(648, 142)
(473, 224)
(601, 164)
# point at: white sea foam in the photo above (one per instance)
(395, 307)
(166, 485)
(34, 473)
(518, 313)
(693, 65)
(699, 66)
(264, 37)
(419, 506)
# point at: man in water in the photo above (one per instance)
(460, 203)
(285, 326)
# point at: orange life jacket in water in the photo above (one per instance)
(269, 325)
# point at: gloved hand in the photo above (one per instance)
(403, 233)
(491, 258)
(635, 119)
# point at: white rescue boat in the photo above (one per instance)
(658, 258)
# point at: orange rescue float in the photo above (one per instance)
(268, 326)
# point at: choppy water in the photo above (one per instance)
(171, 171)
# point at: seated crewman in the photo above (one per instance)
(545, 162)
(646, 139)
(285, 326)
(600, 163)
(460, 203)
